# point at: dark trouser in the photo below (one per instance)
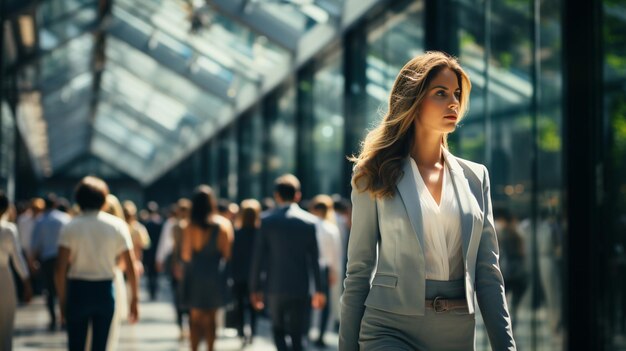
(289, 314)
(149, 266)
(326, 310)
(179, 302)
(89, 302)
(47, 269)
(241, 294)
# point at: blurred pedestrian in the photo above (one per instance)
(512, 258)
(329, 241)
(88, 249)
(175, 266)
(138, 234)
(287, 249)
(243, 248)
(114, 208)
(154, 226)
(45, 247)
(10, 252)
(207, 245)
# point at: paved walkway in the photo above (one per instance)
(156, 330)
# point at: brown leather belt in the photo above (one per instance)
(440, 304)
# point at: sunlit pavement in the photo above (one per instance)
(156, 330)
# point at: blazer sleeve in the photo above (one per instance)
(489, 282)
(314, 259)
(361, 263)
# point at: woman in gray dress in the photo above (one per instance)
(423, 243)
(207, 242)
(9, 251)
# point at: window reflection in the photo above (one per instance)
(392, 40)
(504, 131)
(250, 155)
(281, 134)
(328, 128)
(7, 146)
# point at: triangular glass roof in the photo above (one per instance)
(143, 86)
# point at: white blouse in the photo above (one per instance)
(442, 229)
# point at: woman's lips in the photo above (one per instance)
(451, 117)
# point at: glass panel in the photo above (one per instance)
(250, 155)
(227, 164)
(7, 148)
(550, 222)
(114, 154)
(615, 113)
(69, 60)
(281, 126)
(197, 101)
(56, 68)
(168, 22)
(63, 20)
(166, 112)
(392, 40)
(54, 10)
(124, 130)
(504, 131)
(511, 149)
(302, 16)
(328, 128)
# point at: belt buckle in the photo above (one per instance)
(439, 304)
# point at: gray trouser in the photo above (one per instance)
(451, 330)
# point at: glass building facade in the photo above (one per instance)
(556, 152)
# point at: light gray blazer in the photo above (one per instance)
(394, 228)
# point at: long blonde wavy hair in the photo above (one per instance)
(378, 167)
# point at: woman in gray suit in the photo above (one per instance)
(423, 243)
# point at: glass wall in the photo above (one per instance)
(226, 186)
(548, 251)
(393, 38)
(328, 126)
(250, 155)
(280, 120)
(615, 114)
(7, 148)
(514, 127)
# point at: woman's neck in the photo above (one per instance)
(427, 151)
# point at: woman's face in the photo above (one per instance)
(438, 110)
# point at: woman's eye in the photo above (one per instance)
(440, 93)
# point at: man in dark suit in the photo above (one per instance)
(287, 249)
(153, 225)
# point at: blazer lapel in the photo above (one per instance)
(463, 195)
(408, 193)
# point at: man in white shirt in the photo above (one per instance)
(329, 242)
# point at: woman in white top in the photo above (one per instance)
(423, 243)
(9, 251)
(88, 249)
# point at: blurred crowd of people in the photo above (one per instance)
(223, 261)
(280, 257)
